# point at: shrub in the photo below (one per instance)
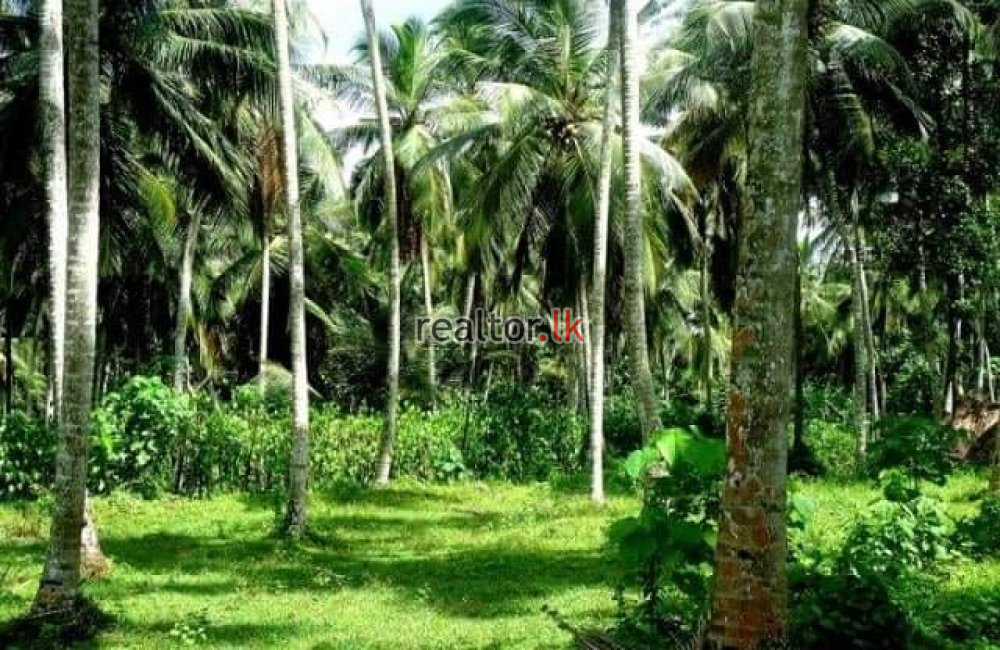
(622, 432)
(917, 444)
(981, 535)
(27, 456)
(135, 431)
(864, 597)
(834, 446)
(667, 548)
(522, 434)
(147, 438)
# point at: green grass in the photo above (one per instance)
(415, 566)
(467, 566)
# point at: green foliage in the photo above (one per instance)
(861, 598)
(27, 456)
(135, 432)
(522, 433)
(917, 444)
(896, 538)
(149, 439)
(667, 548)
(834, 446)
(829, 432)
(622, 432)
(981, 534)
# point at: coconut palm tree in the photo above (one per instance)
(424, 108)
(52, 115)
(392, 225)
(750, 598)
(298, 473)
(539, 71)
(58, 591)
(599, 282)
(635, 255)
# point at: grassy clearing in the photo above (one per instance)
(416, 566)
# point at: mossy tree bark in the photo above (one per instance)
(750, 592)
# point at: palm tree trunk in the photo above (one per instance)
(706, 318)
(425, 265)
(181, 366)
(392, 380)
(265, 307)
(952, 389)
(989, 373)
(635, 254)
(861, 359)
(583, 308)
(799, 452)
(59, 588)
(52, 100)
(866, 317)
(750, 592)
(298, 474)
(599, 286)
(8, 364)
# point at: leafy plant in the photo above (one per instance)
(861, 597)
(981, 535)
(917, 444)
(668, 546)
(135, 431)
(27, 456)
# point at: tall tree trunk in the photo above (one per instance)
(425, 265)
(265, 305)
(298, 474)
(861, 359)
(392, 218)
(989, 373)
(583, 308)
(59, 588)
(799, 451)
(635, 254)
(951, 370)
(750, 593)
(599, 285)
(52, 106)
(8, 364)
(866, 314)
(182, 372)
(52, 100)
(706, 315)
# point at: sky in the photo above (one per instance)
(341, 19)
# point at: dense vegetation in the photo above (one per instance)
(776, 226)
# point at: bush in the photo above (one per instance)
(135, 432)
(834, 446)
(864, 597)
(667, 548)
(981, 535)
(622, 432)
(147, 438)
(919, 445)
(27, 456)
(522, 434)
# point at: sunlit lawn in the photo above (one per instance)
(416, 566)
(467, 566)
